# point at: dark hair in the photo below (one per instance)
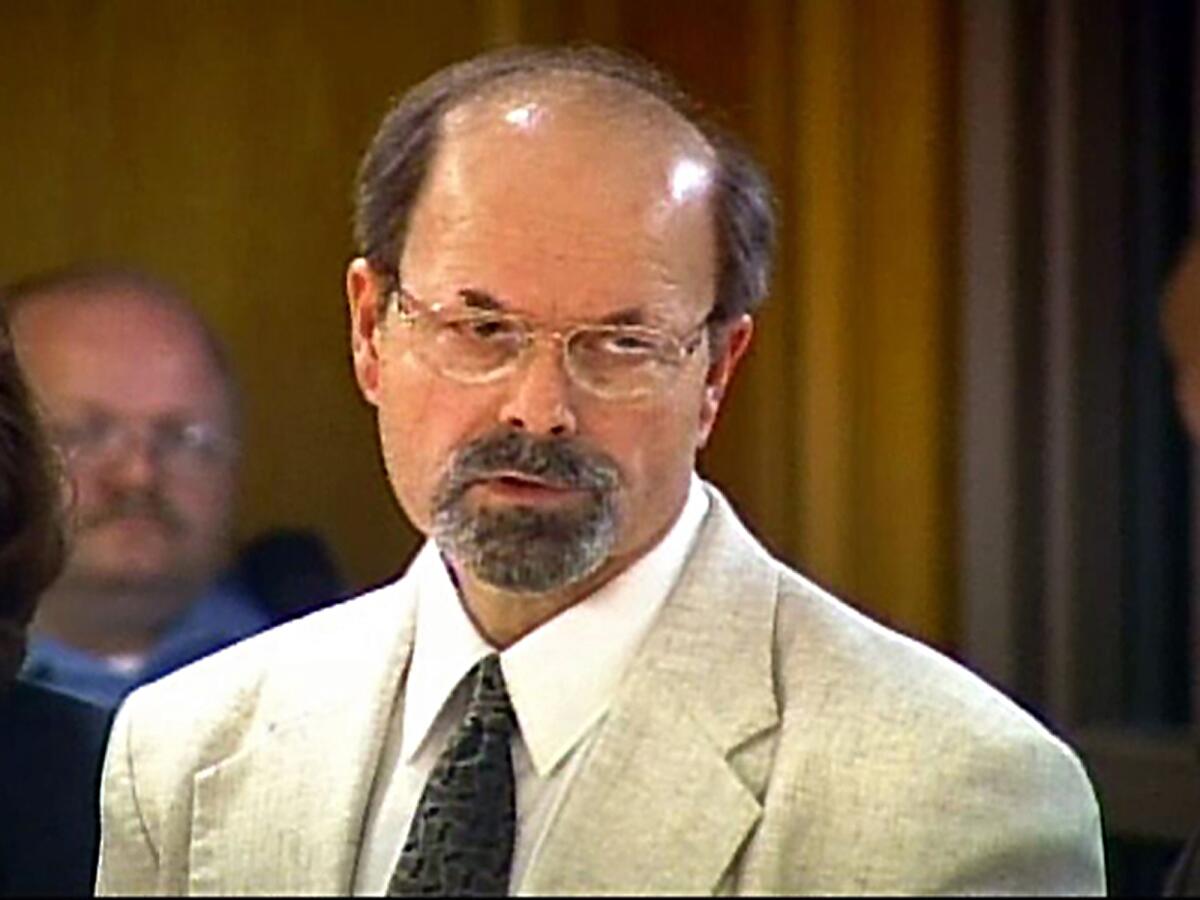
(31, 533)
(89, 280)
(394, 168)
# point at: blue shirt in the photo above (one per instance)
(221, 617)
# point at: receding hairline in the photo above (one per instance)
(103, 285)
(393, 171)
(597, 92)
(85, 282)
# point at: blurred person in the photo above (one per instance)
(591, 679)
(140, 400)
(50, 743)
(290, 571)
(1181, 336)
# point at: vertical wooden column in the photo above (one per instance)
(875, 231)
(826, 239)
(909, 223)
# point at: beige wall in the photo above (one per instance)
(215, 143)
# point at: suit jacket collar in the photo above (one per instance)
(671, 789)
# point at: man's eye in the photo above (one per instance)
(483, 329)
(194, 438)
(171, 438)
(632, 343)
(84, 434)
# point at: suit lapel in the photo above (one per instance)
(285, 814)
(662, 805)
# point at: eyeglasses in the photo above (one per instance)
(616, 362)
(175, 444)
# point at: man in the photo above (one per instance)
(591, 679)
(1181, 337)
(141, 404)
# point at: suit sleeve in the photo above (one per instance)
(128, 857)
(976, 804)
(1031, 827)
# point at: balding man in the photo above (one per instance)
(140, 400)
(591, 679)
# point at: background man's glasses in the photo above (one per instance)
(172, 443)
(616, 362)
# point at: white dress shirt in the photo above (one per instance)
(562, 677)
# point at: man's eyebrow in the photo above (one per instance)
(631, 315)
(476, 298)
(479, 299)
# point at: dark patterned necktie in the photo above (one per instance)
(461, 838)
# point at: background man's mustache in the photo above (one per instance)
(143, 503)
(557, 461)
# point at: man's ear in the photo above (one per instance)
(364, 291)
(732, 342)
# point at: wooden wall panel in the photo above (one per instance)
(906, 349)
(215, 142)
(825, 241)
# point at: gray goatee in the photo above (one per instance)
(524, 549)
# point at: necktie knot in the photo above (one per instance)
(490, 703)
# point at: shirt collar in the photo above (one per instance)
(561, 676)
(445, 647)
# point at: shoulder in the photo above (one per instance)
(36, 706)
(51, 746)
(886, 746)
(272, 676)
(61, 731)
(227, 606)
(825, 645)
(919, 746)
(829, 657)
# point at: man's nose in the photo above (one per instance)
(540, 393)
(136, 463)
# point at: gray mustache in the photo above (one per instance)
(139, 503)
(559, 461)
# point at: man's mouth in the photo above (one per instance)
(521, 487)
(134, 520)
(138, 521)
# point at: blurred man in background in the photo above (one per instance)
(141, 403)
(1181, 334)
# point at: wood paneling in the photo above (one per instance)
(215, 142)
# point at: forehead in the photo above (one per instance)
(118, 352)
(566, 194)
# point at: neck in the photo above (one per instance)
(110, 620)
(504, 617)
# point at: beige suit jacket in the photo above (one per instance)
(767, 739)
